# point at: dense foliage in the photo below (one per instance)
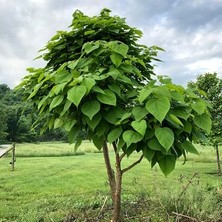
(99, 80)
(211, 85)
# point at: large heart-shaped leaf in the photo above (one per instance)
(107, 98)
(76, 93)
(139, 126)
(203, 121)
(189, 147)
(114, 134)
(131, 136)
(167, 164)
(158, 107)
(165, 137)
(90, 108)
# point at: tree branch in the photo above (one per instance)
(132, 165)
(185, 216)
(121, 156)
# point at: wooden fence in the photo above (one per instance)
(4, 149)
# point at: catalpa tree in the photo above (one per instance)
(99, 81)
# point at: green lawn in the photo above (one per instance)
(44, 188)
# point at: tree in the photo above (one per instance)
(4, 89)
(211, 84)
(99, 81)
(3, 124)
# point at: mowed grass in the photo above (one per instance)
(50, 182)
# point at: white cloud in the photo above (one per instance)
(190, 32)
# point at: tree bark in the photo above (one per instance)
(218, 160)
(110, 172)
(117, 213)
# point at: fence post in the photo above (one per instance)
(13, 156)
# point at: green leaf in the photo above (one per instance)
(63, 76)
(167, 164)
(98, 89)
(182, 112)
(98, 142)
(199, 107)
(58, 88)
(90, 108)
(66, 107)
(78, 143)
(102, 128)
(139, 126)
(148, 153)
(89, 83)
(144, 93)
(58, 123)
(189, 147)
(125, 116)
(119, 48)
(114, 73)
(73, 64)
(165, 137)
(158, 107)
(56, 101)
(114, 134)
(73, 134)
(154, 144)
(76, 93)
(139, 113)
(203, 121)
(130, 149)
(131, 136)
(89, 32)
(89, 46)
(68, 126)
(115, 88)
(94, 122)
(176, 120)
(35, 90)
(108, 98)
(187, 127)
(116, 59)
(42, 102)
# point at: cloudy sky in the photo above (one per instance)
(189, 30)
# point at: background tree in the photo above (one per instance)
(17, 118)
(211, 84)
(98, 82)
(3, 124)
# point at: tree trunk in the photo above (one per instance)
(117, 213)
(115, 183)
(110, 172)
(218, 160)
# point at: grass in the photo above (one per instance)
(50, 183)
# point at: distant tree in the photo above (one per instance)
(98, 82)
(3, 90)
(3, 123)
(211, 84)
(3, 112)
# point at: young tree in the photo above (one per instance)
(211, 84)
(99, 82)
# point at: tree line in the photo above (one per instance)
(17, 118)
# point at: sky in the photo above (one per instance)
(190, 31)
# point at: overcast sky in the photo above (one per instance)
(189, 30)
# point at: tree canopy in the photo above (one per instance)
(209, 86)
(98, 79)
